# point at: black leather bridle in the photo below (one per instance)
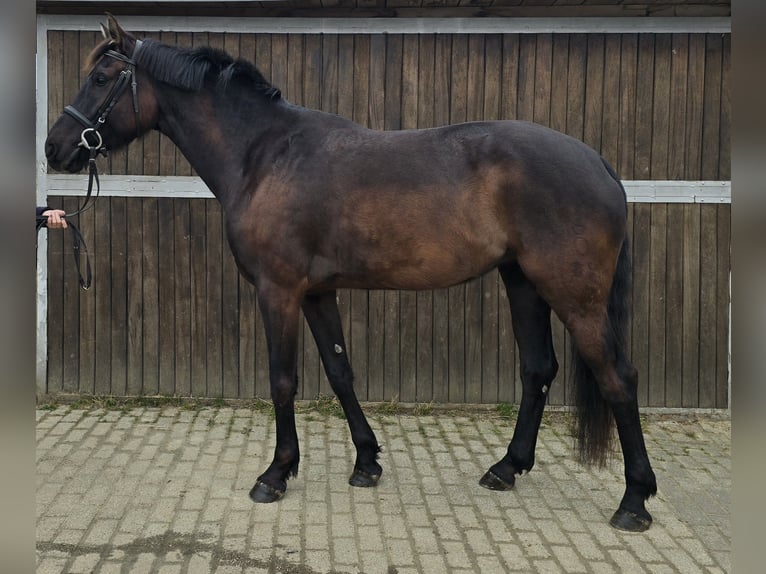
(126, 78)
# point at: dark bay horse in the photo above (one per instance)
(313, 202)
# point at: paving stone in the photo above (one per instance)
(165, 490)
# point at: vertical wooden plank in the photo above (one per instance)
(724, 171)
(627, 106)
(510, 76)
(708, 301)
(691, 305)
(294, 86)
(213, 280)
(695, 107)
(610, 127)
(157, 246)
(279, 61)
(329, 83)
(72, 76)
(262, 382)
(186, 314)
(230, 310)
(442, 97)
(723, 305)
(594, 92)
(71, 315)
(644, 106)
(674, 304)
(525, 106)
(711, 113)
(247, 340)
(576, 86)
(119, 273)
(678, 100)
(543, 70)
(457, 346)
(102, 290)
(559, 82)
(657, 304)
(263, 55)
(424, 334)
(197, 231)
(134, 297)
(55, 55)
(159, 296)
(642, 225)
(661, 107)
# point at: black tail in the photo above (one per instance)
(593, 424)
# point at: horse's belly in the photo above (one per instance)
(419, 269)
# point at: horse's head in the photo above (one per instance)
(115, 104)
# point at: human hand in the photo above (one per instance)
(55, 218)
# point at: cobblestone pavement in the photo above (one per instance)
(166, 490)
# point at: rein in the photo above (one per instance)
(126, 78)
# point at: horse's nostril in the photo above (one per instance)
(50, 149)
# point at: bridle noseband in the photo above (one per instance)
(126, 78)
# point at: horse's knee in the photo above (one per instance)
(283, 391)
(537, 377)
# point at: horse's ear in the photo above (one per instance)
(104, 32)
(114, 32)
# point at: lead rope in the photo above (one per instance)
(79, 247)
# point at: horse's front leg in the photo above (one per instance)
(280, 312)
(321, 312)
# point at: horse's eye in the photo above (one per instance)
(100, 80)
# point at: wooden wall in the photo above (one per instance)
(168, 313)
(655, 105)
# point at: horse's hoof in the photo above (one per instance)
(363, 479)
(262, 492)
(630, 521)
(493, 482)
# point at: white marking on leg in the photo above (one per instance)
(545, 389)
(338, 349)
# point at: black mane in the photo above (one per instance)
(191, 69)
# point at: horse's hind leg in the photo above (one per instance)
(603, 365)
(531, 317)
(321, 312)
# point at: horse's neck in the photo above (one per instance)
(215, 146)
